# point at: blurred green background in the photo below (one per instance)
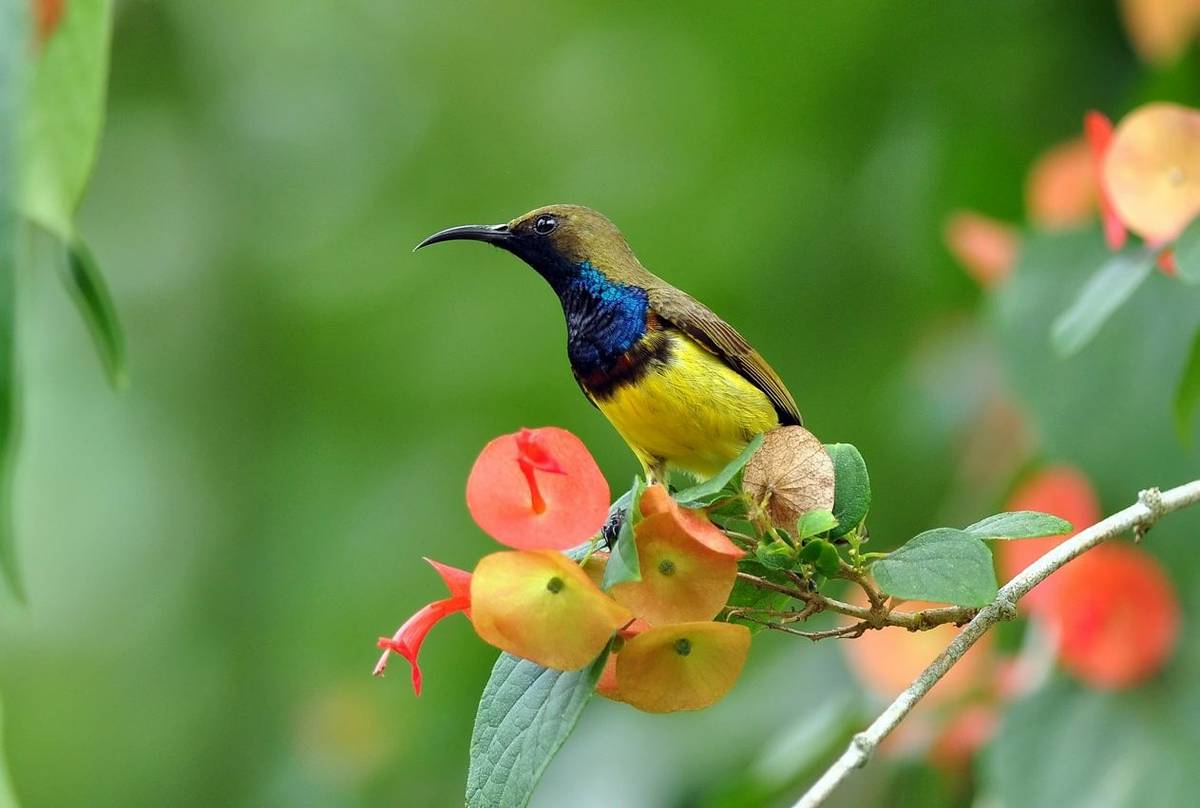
(211, 554)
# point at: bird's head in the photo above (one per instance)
(556, 240)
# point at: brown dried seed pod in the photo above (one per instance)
(791, 473)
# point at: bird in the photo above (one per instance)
(680, 385)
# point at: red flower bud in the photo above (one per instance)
(538, 488)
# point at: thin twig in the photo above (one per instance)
(913, 621)
(1151, 506)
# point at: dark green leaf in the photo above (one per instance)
(747, 594)
(812, 523)
(623, 562)
(61, 128)
(1187, 394)
(943, 565)
(811, 551)
(711, 489)
(1187, 253)
(1100, 297)
(851, 487)
(14, 45)
(828, 562)
(87, 286)
(775, 555)
(1019, 525)
(525, 714)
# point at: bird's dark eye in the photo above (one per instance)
(545, 224)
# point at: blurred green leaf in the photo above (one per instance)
(943, 565)
(623, 564)
(62, 124)
(1187, 253)
(525, 714)
(8, 796)
(1069, 746)
(812, 523)
(1187, 394)
(1102, 294)
(13, 45)
(1019, 525)
(87, 287)
(852, 487)
(711, 489)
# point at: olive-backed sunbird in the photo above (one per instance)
(680, 385)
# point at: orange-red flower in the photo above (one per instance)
(542, 606)
(1061, 187)
(1099, 131)
(1151, 170)
(1059, 490)
(986, 248)
(408, 638)
(683, 579)
(538, 488)
(685, 666)
(1115, 615)
(694, 522)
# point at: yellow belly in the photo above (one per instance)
(694, 413)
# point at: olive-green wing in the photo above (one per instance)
(697, 321)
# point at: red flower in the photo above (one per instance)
(1116, 616)
(538, 489)
(1059, 490)
(987, 248)
(408, 638)
(1099, 132)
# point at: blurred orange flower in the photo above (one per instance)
(1161, 29)
(1151, 170)
(1060, 189)
(987, 248)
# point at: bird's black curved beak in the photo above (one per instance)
(497, 234)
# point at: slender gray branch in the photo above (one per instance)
(1151, 505)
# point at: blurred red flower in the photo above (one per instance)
(1116, 616)
(1059, 490)
(987, 248)
(538, 489)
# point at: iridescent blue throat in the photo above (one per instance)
(604, 318)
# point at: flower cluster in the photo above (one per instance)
(540, 492)
(1143, 175)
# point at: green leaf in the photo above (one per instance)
(623, 564)
(812, 523)
(1019, 525)
(525, 714)
(811, 551)
(1187, 253)
(61, 127)
(86, 284)
(851, 487)
(14, 45)
(747, 594)
(706, 492)
(1187, 394)
(775, 555)
(828, 561)
(1100, 297)
(943, 565)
